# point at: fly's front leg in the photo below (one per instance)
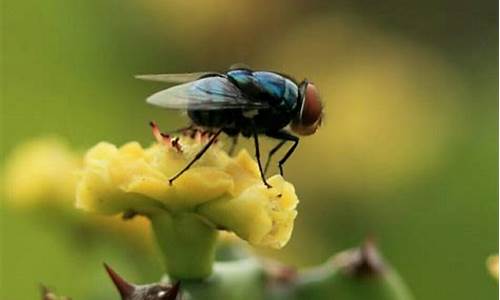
(271, 153)
(283, 136)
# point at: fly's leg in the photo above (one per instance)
(288, 154)
(271, 153)
(233, 145)
(284, 136)
(257, 155)
(213, 138)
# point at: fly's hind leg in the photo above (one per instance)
(212, 140)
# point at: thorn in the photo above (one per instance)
(129, 214)
(46, 294)
(173, 292)
(124, 288)
(363, 261)
(372, 261)
(279, 274)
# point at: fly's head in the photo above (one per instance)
(308, 118)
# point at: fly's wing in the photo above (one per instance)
(174, 78)
(211, 93)
(237, 66)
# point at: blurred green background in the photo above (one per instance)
(408, 152)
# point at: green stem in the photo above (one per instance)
(236, 280)
(340, 285)
(358, 273)
(187, 242)
(353, 274)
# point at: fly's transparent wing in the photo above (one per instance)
(211, 93)
(174, 78)
(239, 66)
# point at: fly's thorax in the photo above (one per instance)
(270, 120)
(277, 90)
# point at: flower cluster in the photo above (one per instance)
(41, 170)
(226, 191)
(219, 192)
(42, 173)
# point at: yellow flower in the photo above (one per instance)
(41, 170)
(44, 171)
(492, 264)
(227, 191)
(218, 192)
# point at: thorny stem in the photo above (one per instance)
(359, 273)
(155, 291)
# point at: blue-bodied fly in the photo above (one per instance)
(243, 102)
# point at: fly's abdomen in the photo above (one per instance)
(213, 118)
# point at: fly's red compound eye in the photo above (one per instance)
(312, 109)
(310, 115)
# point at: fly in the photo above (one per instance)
(243, 102)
